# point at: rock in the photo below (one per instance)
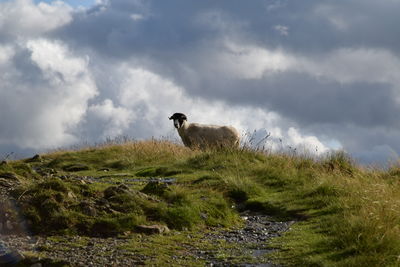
(88, 208)
(152, 229)
(203, 215)
(45, 171)
(115, 190)
(127, 233)
(71, 195)
(11, 258)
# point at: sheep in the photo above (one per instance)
(195, 135)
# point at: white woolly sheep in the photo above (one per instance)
(195, 135)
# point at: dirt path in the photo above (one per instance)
(246, 246)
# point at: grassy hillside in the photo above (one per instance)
(348, 216)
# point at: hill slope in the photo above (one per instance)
(345, 215)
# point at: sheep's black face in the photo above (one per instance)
(178, 118)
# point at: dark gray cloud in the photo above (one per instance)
(312, 26)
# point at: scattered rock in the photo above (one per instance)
(44, 171)
(251, 239)
(152, 229)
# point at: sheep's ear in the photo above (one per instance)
(184, 117)
(170, 118)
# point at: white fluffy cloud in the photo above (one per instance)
(344, 65)
(24, 18)
(308, 143)
(107, 121)
(249, 61)
(45, 91)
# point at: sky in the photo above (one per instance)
(311, 75)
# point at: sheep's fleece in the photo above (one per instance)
(195, 135)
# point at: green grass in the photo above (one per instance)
(348, 215)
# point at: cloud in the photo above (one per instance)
(309, 143)
(347, 65)
(45, 91)
(244, 61)
(24, 18)
(311, 73)
(105, 120)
